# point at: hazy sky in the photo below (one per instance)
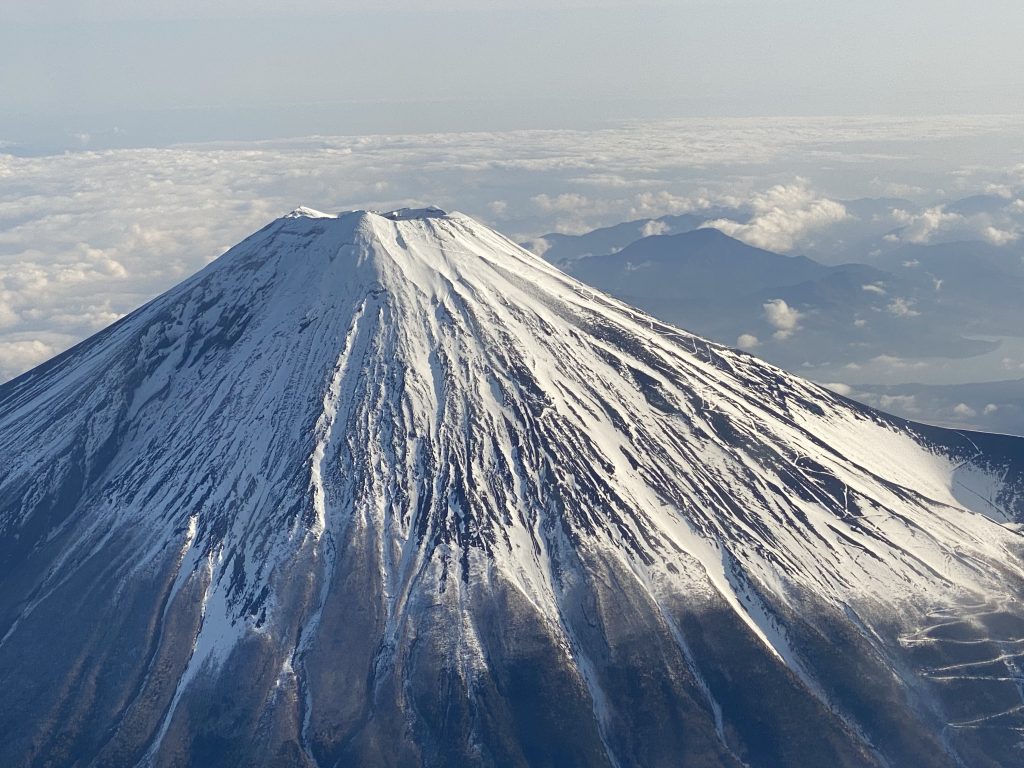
(115, 72)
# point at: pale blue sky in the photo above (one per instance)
(143, 72)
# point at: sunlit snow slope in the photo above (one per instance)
(386, 489)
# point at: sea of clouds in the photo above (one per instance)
(88, 236)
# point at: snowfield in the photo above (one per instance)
(385, 488)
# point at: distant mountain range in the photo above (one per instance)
(908, 302)
(716, 285)
(561, 249)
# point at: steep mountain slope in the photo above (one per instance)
(385, 489)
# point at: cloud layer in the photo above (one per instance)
(87, 236)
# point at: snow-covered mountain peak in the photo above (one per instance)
(303, 212)
(399, 214)
(407, 421)
(473, 349)
(356, 251)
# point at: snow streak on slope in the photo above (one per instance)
(416, 381)
(461, 363)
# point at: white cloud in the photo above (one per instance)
(902, 402)
(538, 245)
(783, 215)
(92, 235)
(999, 236)
(569, 202)
(878, 288)
(19, 356)
(782, 317)
(999, 190)
(664, 202)
(8, 316)
(575, 213)
(616, 181)
(963, 410)
(896, 189)
(898, 363)
(905, 404)
(920, 228)
(840, 389)
(654, 227)
(88, 236)
(747, 341)
(936, 224)
(990, 409)
(901, 307)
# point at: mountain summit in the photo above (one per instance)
(386, 489)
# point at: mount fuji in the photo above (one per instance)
(387, 489)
